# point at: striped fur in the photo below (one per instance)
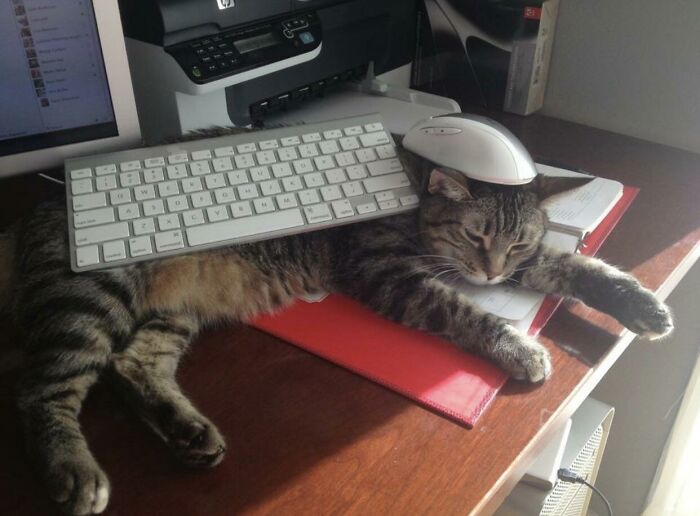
(135, 323)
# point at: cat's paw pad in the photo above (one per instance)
(529, 361)
(78, 485)
(647, 316)
(198, 444)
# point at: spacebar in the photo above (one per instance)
(229, 229)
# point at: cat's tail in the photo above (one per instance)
(7, 267)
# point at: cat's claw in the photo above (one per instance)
(79, 486)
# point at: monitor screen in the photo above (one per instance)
(53, 86)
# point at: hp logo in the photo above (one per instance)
(225, 4)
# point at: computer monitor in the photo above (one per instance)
(65, 88)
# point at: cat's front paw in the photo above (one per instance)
(78, 485)
(523, 357)
(643, 313)
(198, 443)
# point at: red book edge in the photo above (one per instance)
(492, 377)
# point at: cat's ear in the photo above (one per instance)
(454, 188)
(547, 186)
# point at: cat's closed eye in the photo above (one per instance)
(475, 239)
(519, 247)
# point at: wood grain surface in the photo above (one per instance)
(307, 437)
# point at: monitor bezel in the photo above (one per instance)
(109, 29)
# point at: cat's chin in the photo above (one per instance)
(482, 280)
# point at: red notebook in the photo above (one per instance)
(422, 367)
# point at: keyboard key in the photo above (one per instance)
(169, 240)
(376, 126)
(368, 207)
(388, 205)
(89, 218)
(154, 207)
(309, 197)
(201, 199)
(215, 181)
(248, 191)
(386, 151)
(357, 172)
(313, 180)
(281, 170)
(177, 203)
(352, 189)
(291, 184)
(103, 170)
(153, 175)
(241, 209)
(217, 213)
(268, 144)
(81, 173)
(237, 177)
(244, 161)
(98, 234)
(374, 139)
(229, 229)
(201, 154)
(308, 150)
(144, 226)
(121, 196)
(266, 157)
(130, 165)
(130, 179)
(180, 157)
(128, 211)
(199, 168)
(365, 155)
(311, 137)
(193, 217)
(317, 213)
(345, 159)
(329, 147)
(333, 133)
(192, 184)
(324, 162)
(331, 193)
(353, 130)
(409, 200)
(88, 255)
(170, 221)
(342, 209)
(158, 161)
(168, 188)
(264, 205)
(290, 140)
(246, 147)
(106, 182)
(335, 176)
(260, 173)
(140, 246)
(113, 251)
(384, 196)
(222, 164)
(224, 195)
(377, 184)
(287, 154)
(143, 193)
(386, 166)
(287, 200)
(223, 151)
(81, 186)
(177, 171)
(349, 143)
(302, 166)
(270, 187)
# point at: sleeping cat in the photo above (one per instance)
(135, 323)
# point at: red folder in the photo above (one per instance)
(422, 367)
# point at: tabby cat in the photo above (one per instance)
(135, 323)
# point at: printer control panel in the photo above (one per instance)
(234, 51)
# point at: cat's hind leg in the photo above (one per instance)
(145, 373)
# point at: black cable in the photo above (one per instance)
(566, 475)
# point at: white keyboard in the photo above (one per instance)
(162, 201)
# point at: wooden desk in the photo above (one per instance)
(307, 437)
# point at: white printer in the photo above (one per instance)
(203, 63)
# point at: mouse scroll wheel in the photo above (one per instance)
(442, 130)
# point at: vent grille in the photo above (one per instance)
(568, 499)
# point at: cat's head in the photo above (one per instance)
(486, 230)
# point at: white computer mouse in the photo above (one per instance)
(477, 146)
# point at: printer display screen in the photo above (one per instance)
(54, 87)
(256, 42)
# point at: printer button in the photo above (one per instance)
(288, 34)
